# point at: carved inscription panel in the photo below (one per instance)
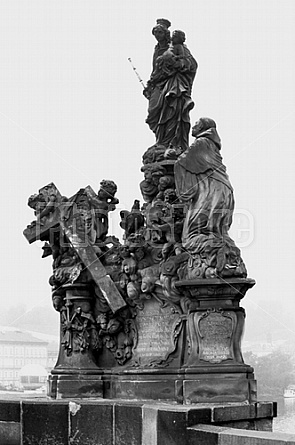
(155, 325)
(215, 331)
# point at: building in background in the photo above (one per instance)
(18, 349)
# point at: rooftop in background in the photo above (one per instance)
(19, 337)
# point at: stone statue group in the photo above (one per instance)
(179, 234)
(199, 177)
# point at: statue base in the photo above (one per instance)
(202, 385)
(190, 353)
(62, 386)
(205, 365)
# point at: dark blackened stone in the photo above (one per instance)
(91, 423)
(128, 424)
(9, 411)
(45, 423)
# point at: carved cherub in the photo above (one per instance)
(104, 202)
(106, 194)
(149, 186)
(132, 221)
(44, 203)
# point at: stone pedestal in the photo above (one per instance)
(214, 367)
(185, 353)
(76, 373)
(200, 360)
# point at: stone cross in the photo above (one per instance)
(50, 208)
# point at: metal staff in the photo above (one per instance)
(137, 75)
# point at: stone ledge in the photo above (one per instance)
(218, 435)
(232, 412)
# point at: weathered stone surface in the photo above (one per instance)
(217, 435)
(244, 437)
(10, 433)
(204, 435)
(151, 387)
(9, 411)
(170, 427)
(263, 424)
(127, 424)
(216, 390)
(165, 424)
(91, 423)
(62, 386)
(251, 425)
(44, 423)
(216, 330)
(155, 333)
(266, 409)
(108, 422)
(149, 425)
(233, 412)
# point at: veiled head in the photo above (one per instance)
(203, 124)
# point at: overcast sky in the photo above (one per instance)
(72, 112)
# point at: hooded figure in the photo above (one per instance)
(201, 181)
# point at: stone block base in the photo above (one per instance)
(61, 386)
(117, 422)
(203, 385)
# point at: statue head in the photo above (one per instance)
(164, 22)
(178, 36)
(109, 187)
(204, 123)
(170, 196)
(161, 31)
(107, 191)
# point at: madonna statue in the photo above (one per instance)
(169, 88)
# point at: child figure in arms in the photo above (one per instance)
(178, 56)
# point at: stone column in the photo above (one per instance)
(76, 373)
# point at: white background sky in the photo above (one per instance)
(72, 112)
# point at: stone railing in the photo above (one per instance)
(117, 422)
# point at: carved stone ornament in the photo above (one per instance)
(215, 329)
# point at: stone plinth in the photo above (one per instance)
(214, 367)
(200, 361)
(188, 353)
